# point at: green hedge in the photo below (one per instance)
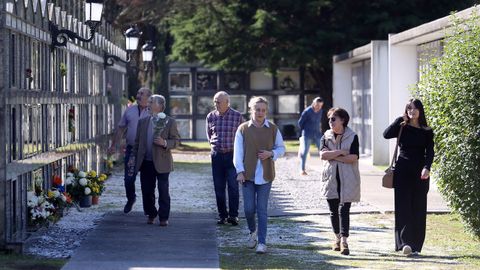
(450, 90)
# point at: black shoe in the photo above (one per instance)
(128, 206)
(233, 221)
(222, 221)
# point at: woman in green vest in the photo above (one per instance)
(340, 176)
(258, 143)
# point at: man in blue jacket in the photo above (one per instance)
(310, 124)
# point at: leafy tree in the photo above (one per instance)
(449, 90)
(235, 34)
(240, 34)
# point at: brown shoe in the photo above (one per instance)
(163, 223)
(336, 245)
(150, 220)
(344, 249)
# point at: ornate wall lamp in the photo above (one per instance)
(132, 36)
(147, 54)
(93, 18)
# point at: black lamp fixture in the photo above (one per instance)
(147, 54)
(132, 36)
(93, 18)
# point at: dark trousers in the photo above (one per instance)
(129, 180)
(224, 174)
(411, 214)
(149, 178)
(340, 216)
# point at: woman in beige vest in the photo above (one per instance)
(340, 177)
(258, 143)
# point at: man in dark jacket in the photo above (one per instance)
(310, 123)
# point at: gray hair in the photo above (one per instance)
(158, 99)
(146, 89)
(254, 100)
(222, 94)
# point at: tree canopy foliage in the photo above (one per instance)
(239, 34)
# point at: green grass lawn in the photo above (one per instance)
(447, 246)
(21, 262)
(291, 146)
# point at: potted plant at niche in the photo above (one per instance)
(96, 185)
(77, 184)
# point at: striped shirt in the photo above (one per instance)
(221, 129)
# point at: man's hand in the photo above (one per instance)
(159, 141)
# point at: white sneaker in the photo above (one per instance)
(261, 248)
(252, 240)
(407, 250)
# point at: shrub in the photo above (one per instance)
(450, 91)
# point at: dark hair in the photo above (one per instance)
(342, 113)
(422, 120)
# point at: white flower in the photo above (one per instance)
(69, 174)
(69, 180)
(87, 191)
(83, 181)
(161, 115)
(82, 174)
(56, 193)
(63, 198)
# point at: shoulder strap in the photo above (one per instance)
(394, 158)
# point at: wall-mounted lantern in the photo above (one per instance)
(93, 18)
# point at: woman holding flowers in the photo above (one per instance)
(151, 155)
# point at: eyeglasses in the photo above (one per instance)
(332, 119)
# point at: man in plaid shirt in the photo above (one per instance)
(221, 126)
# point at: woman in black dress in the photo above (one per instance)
(411, 176)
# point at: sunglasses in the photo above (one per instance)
(332, 119)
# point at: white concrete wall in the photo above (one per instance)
(342, 86)
(379, 85)
(402, 74)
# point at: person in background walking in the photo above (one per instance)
(221, 125)
(411, 176)
(128, 123)
(310, 123)
(258, 143)
(152, 156)
(340, 176)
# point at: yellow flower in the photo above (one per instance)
(50, 194)
(92, 173)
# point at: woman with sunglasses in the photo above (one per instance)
(340, 176)
(411, 176)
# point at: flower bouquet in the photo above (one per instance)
(40, 210)
(77, 185)
(159, 123)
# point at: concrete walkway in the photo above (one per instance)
(126, 242)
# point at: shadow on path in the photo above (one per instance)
(126, 242)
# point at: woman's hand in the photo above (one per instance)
(425, 174)
(241, 178)
(405, 118)
(264, 154)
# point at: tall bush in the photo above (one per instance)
(450, 90)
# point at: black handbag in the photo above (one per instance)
(387, 179)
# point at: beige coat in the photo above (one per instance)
(162, 157)
(349, 173)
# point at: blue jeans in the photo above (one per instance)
(255, 199)
(224, 174)
(129, 180)
(305, 145)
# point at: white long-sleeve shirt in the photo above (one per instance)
(238, 153)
